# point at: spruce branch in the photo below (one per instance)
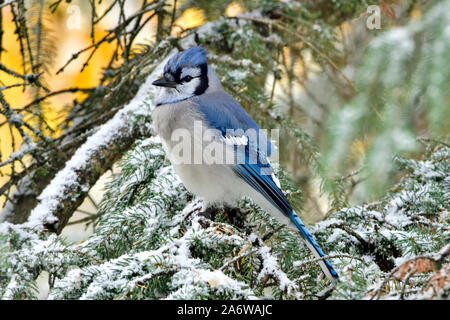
(410, 268)
(70, 195)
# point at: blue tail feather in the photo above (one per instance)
(310, 239)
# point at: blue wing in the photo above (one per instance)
(224, 113)
(261, 177)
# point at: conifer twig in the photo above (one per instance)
(435, 258)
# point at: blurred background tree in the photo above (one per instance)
(346, 97)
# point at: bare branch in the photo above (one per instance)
(7, 3)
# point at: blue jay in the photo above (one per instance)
(192, 94)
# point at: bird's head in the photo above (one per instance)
(185, 76)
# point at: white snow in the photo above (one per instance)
(238, 75)
(271, 267)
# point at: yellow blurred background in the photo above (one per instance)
(70, 31)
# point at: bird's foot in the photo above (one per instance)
(235, 216)
(208, 213)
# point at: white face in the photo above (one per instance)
(189, 82)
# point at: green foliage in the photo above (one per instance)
(152, 240)
(146, 245)
(402, 88)
(411, 221)
(153, 248)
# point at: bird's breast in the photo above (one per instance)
(175, 123)
(169, 118)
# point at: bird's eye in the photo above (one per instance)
(187, 79)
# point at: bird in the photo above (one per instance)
(193, 105)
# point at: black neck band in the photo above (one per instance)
(203, 80)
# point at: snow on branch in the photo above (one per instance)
(67, 190)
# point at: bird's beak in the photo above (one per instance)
(163, 82)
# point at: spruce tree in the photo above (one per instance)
(388, 238)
